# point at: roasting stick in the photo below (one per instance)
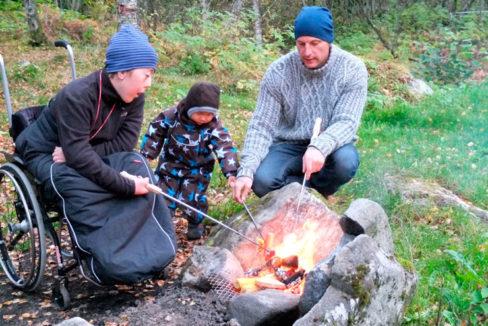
(253, 220)
(157, 190)
(315, 134)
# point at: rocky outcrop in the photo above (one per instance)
(423, 193)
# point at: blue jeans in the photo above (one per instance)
(283, 165)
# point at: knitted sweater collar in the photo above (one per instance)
(322, 70)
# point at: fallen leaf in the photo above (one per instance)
(46, 304)
(160, 283)
(8, 317)
(29, 315)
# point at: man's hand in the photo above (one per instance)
(241, 189)
(313, 161)
(140, 182)
(58, 155)
(231, 181)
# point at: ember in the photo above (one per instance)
(284, 258)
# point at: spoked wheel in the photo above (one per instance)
(22, 238)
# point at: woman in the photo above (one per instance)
(77, 149)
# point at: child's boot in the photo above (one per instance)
(195, 231)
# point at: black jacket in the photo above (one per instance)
(69, 121)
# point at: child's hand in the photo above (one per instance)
(231, 181)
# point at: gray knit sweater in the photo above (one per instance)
(292, 96)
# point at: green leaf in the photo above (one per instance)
(484, 293)
(476, 297)
(484, 307)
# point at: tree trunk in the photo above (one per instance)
(205, 4)
(37, 36)
(236, 7)
(258, 32)
(127, 12)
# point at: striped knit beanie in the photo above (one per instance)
(129, 49)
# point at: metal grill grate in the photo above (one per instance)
(222, 287)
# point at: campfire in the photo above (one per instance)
(289, 251)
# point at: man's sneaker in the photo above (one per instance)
(195, 231)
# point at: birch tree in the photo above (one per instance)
(37, 36)
(258, 31)
(127, 12)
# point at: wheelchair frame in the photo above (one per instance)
(28, 218)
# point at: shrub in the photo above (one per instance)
(69, 24)
(218, 46)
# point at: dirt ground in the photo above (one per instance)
(155, 302)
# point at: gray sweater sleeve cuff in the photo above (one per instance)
(244, 172)
(325, 146)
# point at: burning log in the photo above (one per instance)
(296, 276)
(246, 284)
(291, 261)
(283, 274)
(267, 282)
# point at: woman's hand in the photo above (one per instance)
(58, 155)
(140, 182)
(141, 185)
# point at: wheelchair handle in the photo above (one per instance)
(6, 92)
(65, 44)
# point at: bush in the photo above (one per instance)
(69, 24)
(219, 46)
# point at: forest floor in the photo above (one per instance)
(154, 302)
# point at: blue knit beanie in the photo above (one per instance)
(316, 22)
(129, 49)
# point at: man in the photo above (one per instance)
(318, 80)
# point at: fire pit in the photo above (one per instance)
(313, 268)
(296, 241)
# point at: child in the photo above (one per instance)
(186, 136)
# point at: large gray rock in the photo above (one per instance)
(368, 287)
(268, 307)
(208, 264)
(75, 321)
(318, 279)
(366, 216)
(419, 88)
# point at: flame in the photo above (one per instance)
(301, 244)
(311, 241)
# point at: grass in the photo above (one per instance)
(442, 138)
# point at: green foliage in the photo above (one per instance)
(421, 17)
(358, 43)
(218, 46)
(26, 72)
(449, 61)
(462, 305)
(452, 53)
(12, 19)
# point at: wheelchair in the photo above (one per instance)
(27, 217)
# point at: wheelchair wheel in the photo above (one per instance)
(22, 237)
